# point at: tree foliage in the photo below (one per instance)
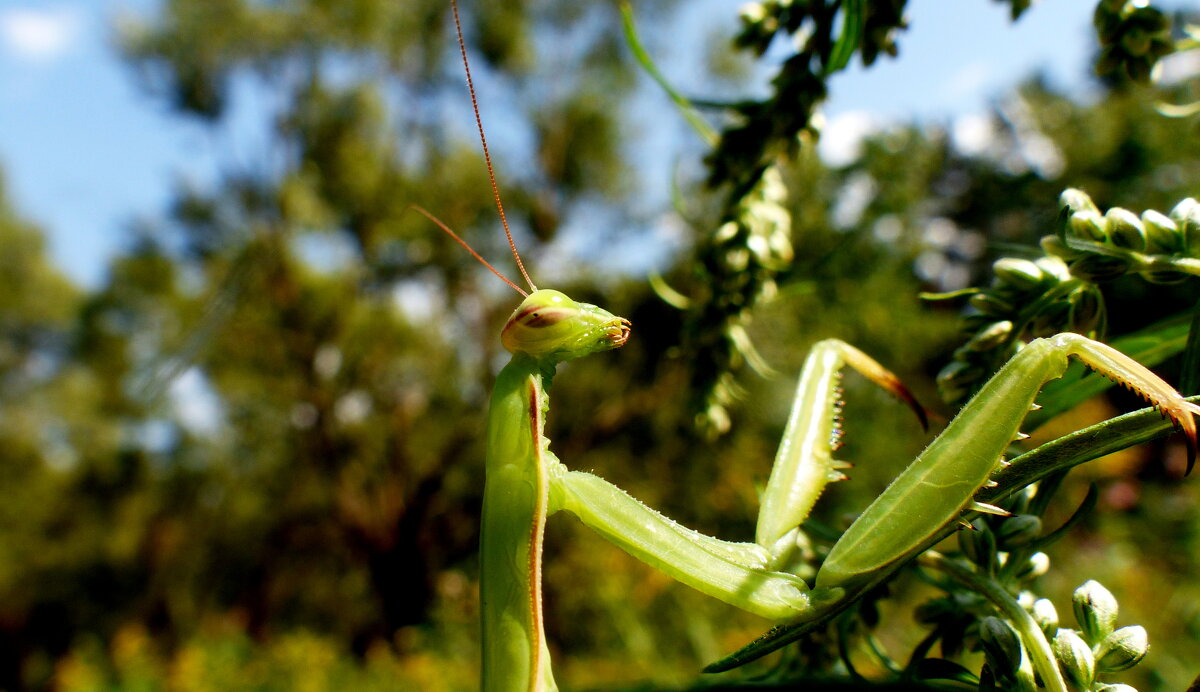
(255, 453)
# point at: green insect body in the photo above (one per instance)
(525, 483)
(514, 516)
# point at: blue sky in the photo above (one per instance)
(85, 151)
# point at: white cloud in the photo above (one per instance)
(841, 142)
(973, 134)
(39, 35)
(852, 200)
(197, 405)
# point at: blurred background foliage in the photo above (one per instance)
(253, 459)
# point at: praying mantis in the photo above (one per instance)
(526, 483)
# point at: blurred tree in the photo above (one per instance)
(257, 448)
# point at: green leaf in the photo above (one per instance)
(849, 39)
(1077, 448)
(686, 109)
(942, 669)
(1189, 379)
(1085, 508)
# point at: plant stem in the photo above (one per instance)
(1040, 654)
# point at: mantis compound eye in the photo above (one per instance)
(549, 324)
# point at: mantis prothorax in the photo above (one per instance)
(526, 483)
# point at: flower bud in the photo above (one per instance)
(1184, 209)
(1051, 320)
(727, 232)
(1107, 19)
(1099, 268)
(1019, 530)
(1165, 277)
(1053, 266)
(1122, 649)
(990, 337)
(956, 379)
(1019, 501)
(752, 12)
(1054, 246)
(1088, 225)
(978, 544)
(1018, 273)
(1074, 659)
(1139, 68)
(991, 304)
(1095, 610)
(1125, 229)
(1116, 687)
(1136, 42)
(1108, 61)
(1162, 234)
(1086, 309)
(1147, 18)
(1037, 565)
(1076, 200)
(1187, 215)
(1046, 616)
(1001, 648)
(737, 258)
(959, 372)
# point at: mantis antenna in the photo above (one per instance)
(487, 157)
(471, 250)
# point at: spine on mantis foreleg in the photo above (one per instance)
(942, 481)
(515, 494)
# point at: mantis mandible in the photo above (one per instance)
(525, 482)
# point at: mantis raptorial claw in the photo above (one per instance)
(804, 465)
(938, 486)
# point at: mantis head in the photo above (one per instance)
(549, 324)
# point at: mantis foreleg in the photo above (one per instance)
(804, 464)
(732, 572)
(941, 483)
